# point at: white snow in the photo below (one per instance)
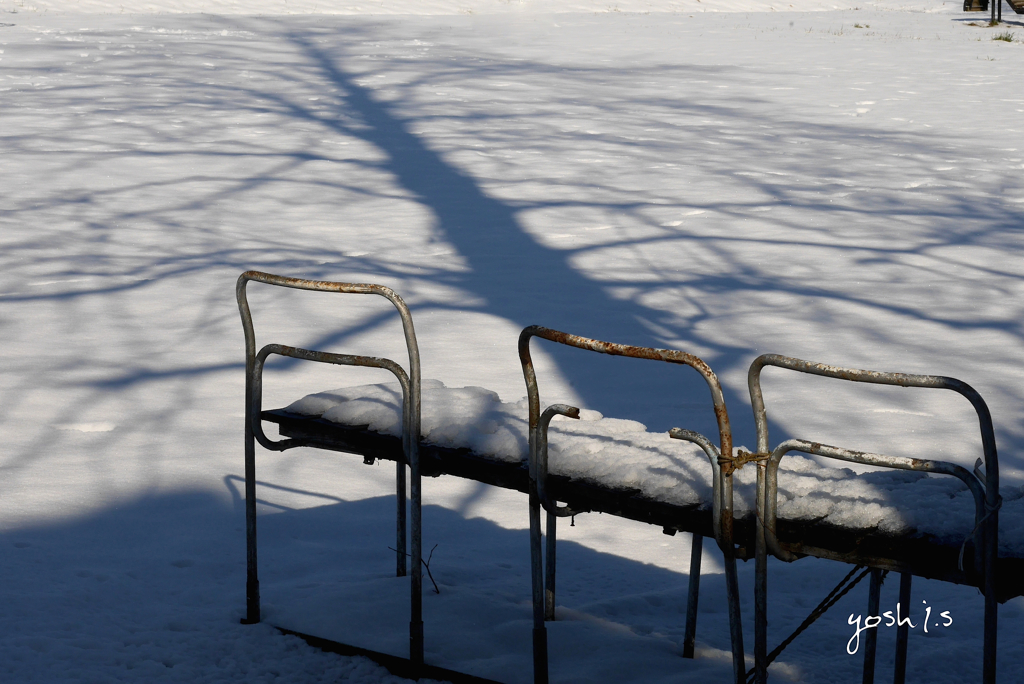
(842, 185)
(622, 454)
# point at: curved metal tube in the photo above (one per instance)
(713, 455)
(322, 357)
(539, 460)
(989, 513)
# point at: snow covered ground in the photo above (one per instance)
(842, 185)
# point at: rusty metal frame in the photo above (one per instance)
(723, 465)
(254, 362)
(986, 495)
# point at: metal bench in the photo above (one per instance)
(751, 535)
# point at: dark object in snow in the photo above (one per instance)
(430, 556)
(400, 667)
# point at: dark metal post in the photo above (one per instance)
(871, 635)
(550, 567)
(540, 635)
(252, 582)
(400, 521)
(990, 536)
(543, 573)
(416, 617)
(760, 587)
(732, 587)
(902, 630)
(991, 606)
(725, 543)
(415, 489)
(696, 548)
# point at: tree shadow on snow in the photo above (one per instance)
(322, 79)
(163, 578)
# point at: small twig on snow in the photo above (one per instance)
(426, 564)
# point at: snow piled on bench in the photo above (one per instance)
(619, 453)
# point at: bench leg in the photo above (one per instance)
(902, 630)
(871, 635)
(549, 568)
(696, 547)
(760, 605)
(732, 587)
(540, 656)
(991, 537)
(540, 635)
(252, 582)
(416, 612)
(400, 540)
